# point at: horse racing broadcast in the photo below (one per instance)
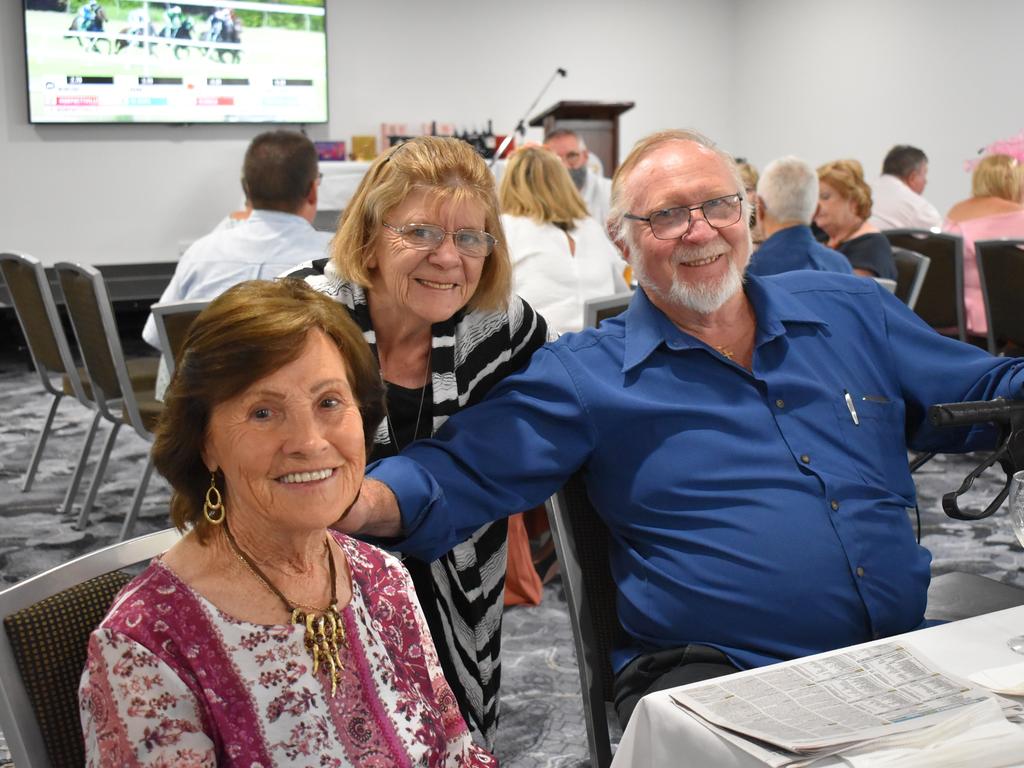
(136, 61)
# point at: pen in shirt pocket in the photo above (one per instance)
(851, 408)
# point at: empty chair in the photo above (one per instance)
(47, 620)
(581, 542)
(911, 269)
(603, 307)
(940, 302)
(1001, 268)
(117, 398)
(48, 346)
(172, 319)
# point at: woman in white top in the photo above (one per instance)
(560, 256)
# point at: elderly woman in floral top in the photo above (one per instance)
(261, 638)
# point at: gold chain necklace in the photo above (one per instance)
(325, 633)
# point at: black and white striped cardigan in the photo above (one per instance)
(470, 353)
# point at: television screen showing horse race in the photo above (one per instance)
(135, 61)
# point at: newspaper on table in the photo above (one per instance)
(821, 706)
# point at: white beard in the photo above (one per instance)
(702, 298)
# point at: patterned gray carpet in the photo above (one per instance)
(541, 724)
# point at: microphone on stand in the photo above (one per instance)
(520, 127)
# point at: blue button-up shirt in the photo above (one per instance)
(795, 248)
(748, 510)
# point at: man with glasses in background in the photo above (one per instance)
(743, 438)
(594, 188)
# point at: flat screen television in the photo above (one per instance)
(135, 61)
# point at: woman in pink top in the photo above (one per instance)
(993, 211)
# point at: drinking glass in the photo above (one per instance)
(1016, 501)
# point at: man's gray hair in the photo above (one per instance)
(789, 190)
(565, 132)
(622, 202)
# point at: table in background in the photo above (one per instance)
(660, 733)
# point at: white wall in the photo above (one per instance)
(106, 194)
(825, 79)
(819, 78)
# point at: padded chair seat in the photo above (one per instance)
(955, 596)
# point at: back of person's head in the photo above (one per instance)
(247, 333)
(749, 175)
(278, 170)
(450, 171)
(847, 178)
(623, 193)
(902, 160)
(536, 184)
(997, 176)
(789, 190)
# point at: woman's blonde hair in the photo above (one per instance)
(847, 178)
(449, 171)
(535, 184)
(997, 176)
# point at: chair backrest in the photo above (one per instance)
(911, 269)
(940, 302)
(603, 307)
(173, 319)
(1001, 268)
(887, 283)
(46, 624)
(581, 542)
(92, 318)
(40, 321)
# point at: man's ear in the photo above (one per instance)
(759, 207)
(618, 240)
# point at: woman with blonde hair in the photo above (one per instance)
(844, 205)
(992, 211)
(560, 256)
(420, 263)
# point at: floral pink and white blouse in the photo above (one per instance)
(173, 681)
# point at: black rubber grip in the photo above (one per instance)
(998, 411)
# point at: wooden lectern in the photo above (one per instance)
(596, 122)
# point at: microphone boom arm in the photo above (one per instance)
(520, 127)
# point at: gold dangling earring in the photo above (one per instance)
(213, 507)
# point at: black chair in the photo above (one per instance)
(581, 542)
(48, 345)
(47, 620)
(603, 307)
(1001, 268)
(120, 399)
(911, 269)
(941, 300)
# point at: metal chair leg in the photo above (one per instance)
(140, 492)
(83, 459)
(37, 452)
(97, 479)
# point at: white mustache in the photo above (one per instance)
(686, 254)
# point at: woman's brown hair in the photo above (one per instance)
(847, 178)
(536, 185)
(244, 335)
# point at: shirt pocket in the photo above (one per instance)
(875, 439)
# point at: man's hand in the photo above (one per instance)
(374, 512)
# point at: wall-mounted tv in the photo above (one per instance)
(135, 61)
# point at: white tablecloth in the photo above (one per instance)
(661, 734)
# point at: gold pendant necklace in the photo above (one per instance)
(325, 634)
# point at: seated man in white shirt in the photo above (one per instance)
(896, 195)
(595, 189)
(280, 176)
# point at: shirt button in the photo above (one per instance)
(860, 571)
(780, 403)
(805, 459)
(834, 505)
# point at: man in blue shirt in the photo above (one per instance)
(787, 197)
(744, 441)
